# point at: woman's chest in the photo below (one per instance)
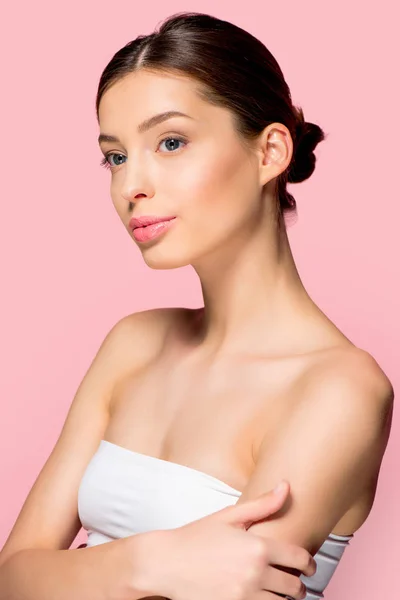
(209, 416)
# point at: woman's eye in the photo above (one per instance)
(105, 161)
(171, 145)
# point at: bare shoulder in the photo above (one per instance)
(359, 366)
(158, 319)
(144, 332)
(129, 345)
(352, 378)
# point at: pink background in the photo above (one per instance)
(70, 271)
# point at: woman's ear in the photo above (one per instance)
(275, 149)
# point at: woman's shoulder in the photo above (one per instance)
(154, 320)
(352, 361)
(350, 371)
(140, 336)
(154, 324)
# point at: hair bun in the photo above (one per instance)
(307, 136)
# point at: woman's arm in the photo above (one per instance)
(214, 557)
(111, 571)
(35, 563)
(330, 450)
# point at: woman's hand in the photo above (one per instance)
(217, 559)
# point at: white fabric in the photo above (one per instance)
(124, 492)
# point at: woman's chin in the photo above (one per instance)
(159, 261)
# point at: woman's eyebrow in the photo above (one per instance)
(146, 125)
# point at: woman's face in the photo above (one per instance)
(192, 168)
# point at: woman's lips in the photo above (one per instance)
(150, 232)
(146, 220)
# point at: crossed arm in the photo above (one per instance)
(330, 451)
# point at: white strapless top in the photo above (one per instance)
(123, 492)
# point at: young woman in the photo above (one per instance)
(187, 412)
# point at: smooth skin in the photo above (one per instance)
(35, 562)
(256, 386)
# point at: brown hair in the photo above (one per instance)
(235, 71)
